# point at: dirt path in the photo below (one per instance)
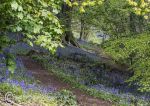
(47, 78)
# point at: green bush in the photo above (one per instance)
(4, 88)
(134, 52)
(66, 98)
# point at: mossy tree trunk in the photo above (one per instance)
(84, 28)
(136, 23)
(66, 16)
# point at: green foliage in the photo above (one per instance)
(66, 98)
(10, 62)
(27, 98)
(134, 51)
(140, 7)
(4, 42)
(35, 19)
(116, 18)
(4, 88)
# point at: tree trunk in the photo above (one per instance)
(86, 32)
(66, 16)
(82, 29)
(136, 23)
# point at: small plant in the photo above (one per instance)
(5, 87)
(134, 52)
(66, 98)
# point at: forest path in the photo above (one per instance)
(48, 79)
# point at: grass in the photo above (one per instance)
(32, 97)
(27, 98)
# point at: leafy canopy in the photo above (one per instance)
(35, 19)
(140, 7)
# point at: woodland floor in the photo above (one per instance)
(48, 79)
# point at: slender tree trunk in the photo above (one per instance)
(136, 23)
(132, 23)
(141, 24)
(84, 32)
(82, 28)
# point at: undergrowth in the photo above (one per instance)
(43, 60)
(22, 88)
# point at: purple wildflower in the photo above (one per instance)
(7, 72)
(2, 56)
(2, 79)
(2, 65)
(22, 84)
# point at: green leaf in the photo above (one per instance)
(55, 11)
(14, 5)
(58, 31)
(37, 29)
(30, 43)
(18, 29)
(20, 8)
(20, 15)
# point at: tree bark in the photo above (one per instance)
(66, 15)
(136, 23)
(82, 29)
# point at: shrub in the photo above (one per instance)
(5, 87)
(66, 98)
(135, 52)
